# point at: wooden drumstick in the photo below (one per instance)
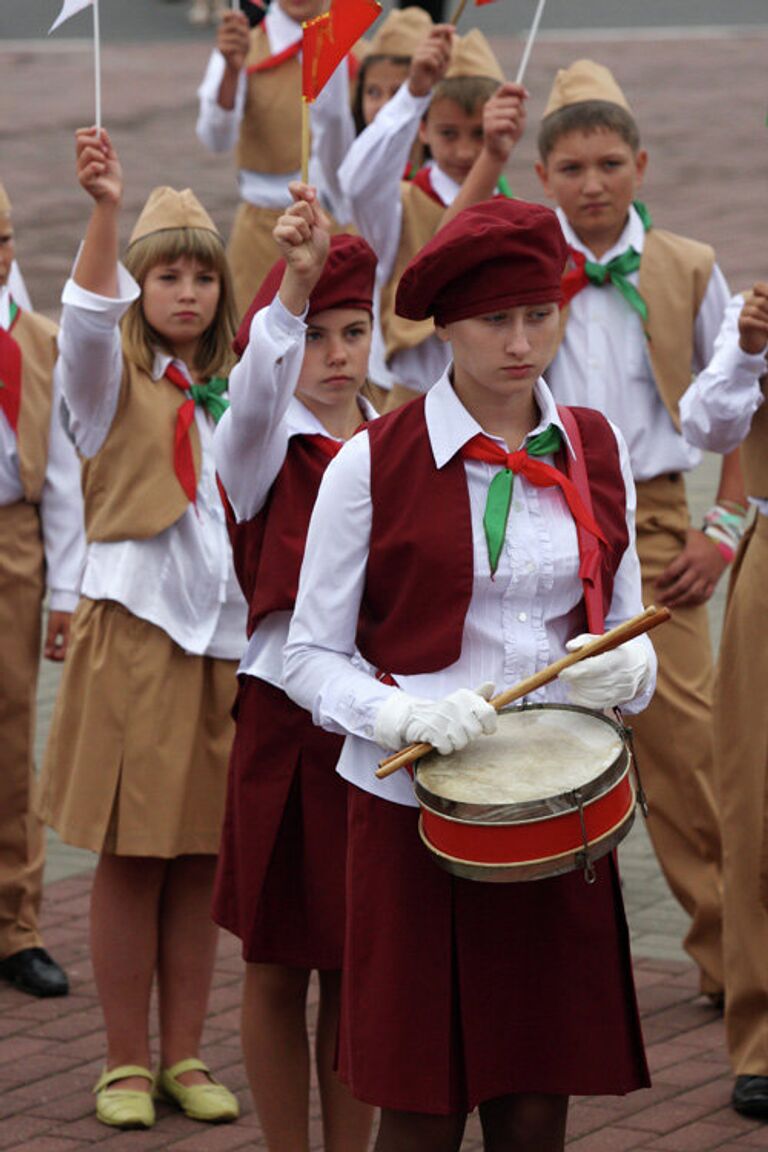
(647, 620)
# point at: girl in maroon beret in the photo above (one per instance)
(416, 587)
(295, 398)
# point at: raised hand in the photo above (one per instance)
(303, 235)
(753, 320)
(504, 120)
(233, 39)
(430, 60)
(98, 166)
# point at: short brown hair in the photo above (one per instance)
(469, 92)
(140, 339)
(587, 116)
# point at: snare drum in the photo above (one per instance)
(549, 792)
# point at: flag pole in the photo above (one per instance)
(97, 61)
(458, 13)
(304, 139)
(529, 44)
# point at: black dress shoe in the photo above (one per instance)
(750, 1096)
(34, 971)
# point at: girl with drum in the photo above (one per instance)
(447, 560)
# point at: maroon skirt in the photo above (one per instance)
(280, 878)
(457, 991)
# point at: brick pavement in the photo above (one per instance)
(50, 1052)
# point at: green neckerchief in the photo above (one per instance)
(210, 396)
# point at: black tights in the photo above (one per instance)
(517, 1123)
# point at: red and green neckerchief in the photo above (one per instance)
(10, 371)
(523, 462)
(617, 271)
(209, 396)
(422, 179)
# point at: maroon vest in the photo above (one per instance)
(420, 566)
(268, 548)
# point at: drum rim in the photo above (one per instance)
(529, 811)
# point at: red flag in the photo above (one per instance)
(328, 39)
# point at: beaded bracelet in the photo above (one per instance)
(725, 525)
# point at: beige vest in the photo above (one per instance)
(674, 273)
(36, 336)
(420, 220)
(270, 130)
(130, 488)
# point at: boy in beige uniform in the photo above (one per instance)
(250, 101)
(725, 407)
(456, 103)
(41, 544)
(645, 307)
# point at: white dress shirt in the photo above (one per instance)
(517, 622)
(603, 361)
(61, 502)
(182, 580)
(333, 128)
(251, 442)
(716, 412)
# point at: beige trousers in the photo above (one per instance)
(22, 846)
(673, 737)
(741, 748)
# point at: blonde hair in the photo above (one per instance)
(140, 339)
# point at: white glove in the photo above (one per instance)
(448, 725)
(608, 680)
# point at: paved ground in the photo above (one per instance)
(706, 177)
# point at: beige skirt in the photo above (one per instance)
(136, 761)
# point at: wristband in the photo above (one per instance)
(725, 528)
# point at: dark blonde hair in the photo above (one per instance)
(469, 92)
(140, 339)
(587, 116)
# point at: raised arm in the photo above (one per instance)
(89, 368)
(252, 437)
(371, 173)
(222, 92)
(100, 175)
(503, 127)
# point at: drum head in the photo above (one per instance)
(536, 753)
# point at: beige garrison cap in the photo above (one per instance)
(473, 56)
(400, 33)
(166, 208)
(584, 80)
(5, 202)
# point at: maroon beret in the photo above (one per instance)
(346, 282)
(493, 255)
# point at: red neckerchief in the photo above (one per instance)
(183, 460)
(423, 180)
(10, 371)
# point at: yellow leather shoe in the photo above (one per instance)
(212, 1102)
(124, 1107)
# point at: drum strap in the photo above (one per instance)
(590, 562)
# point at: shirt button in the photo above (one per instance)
(368, 730)
(522, 617)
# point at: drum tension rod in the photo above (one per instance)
(630, 736)
(583, 859)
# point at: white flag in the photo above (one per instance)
(69, 8)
